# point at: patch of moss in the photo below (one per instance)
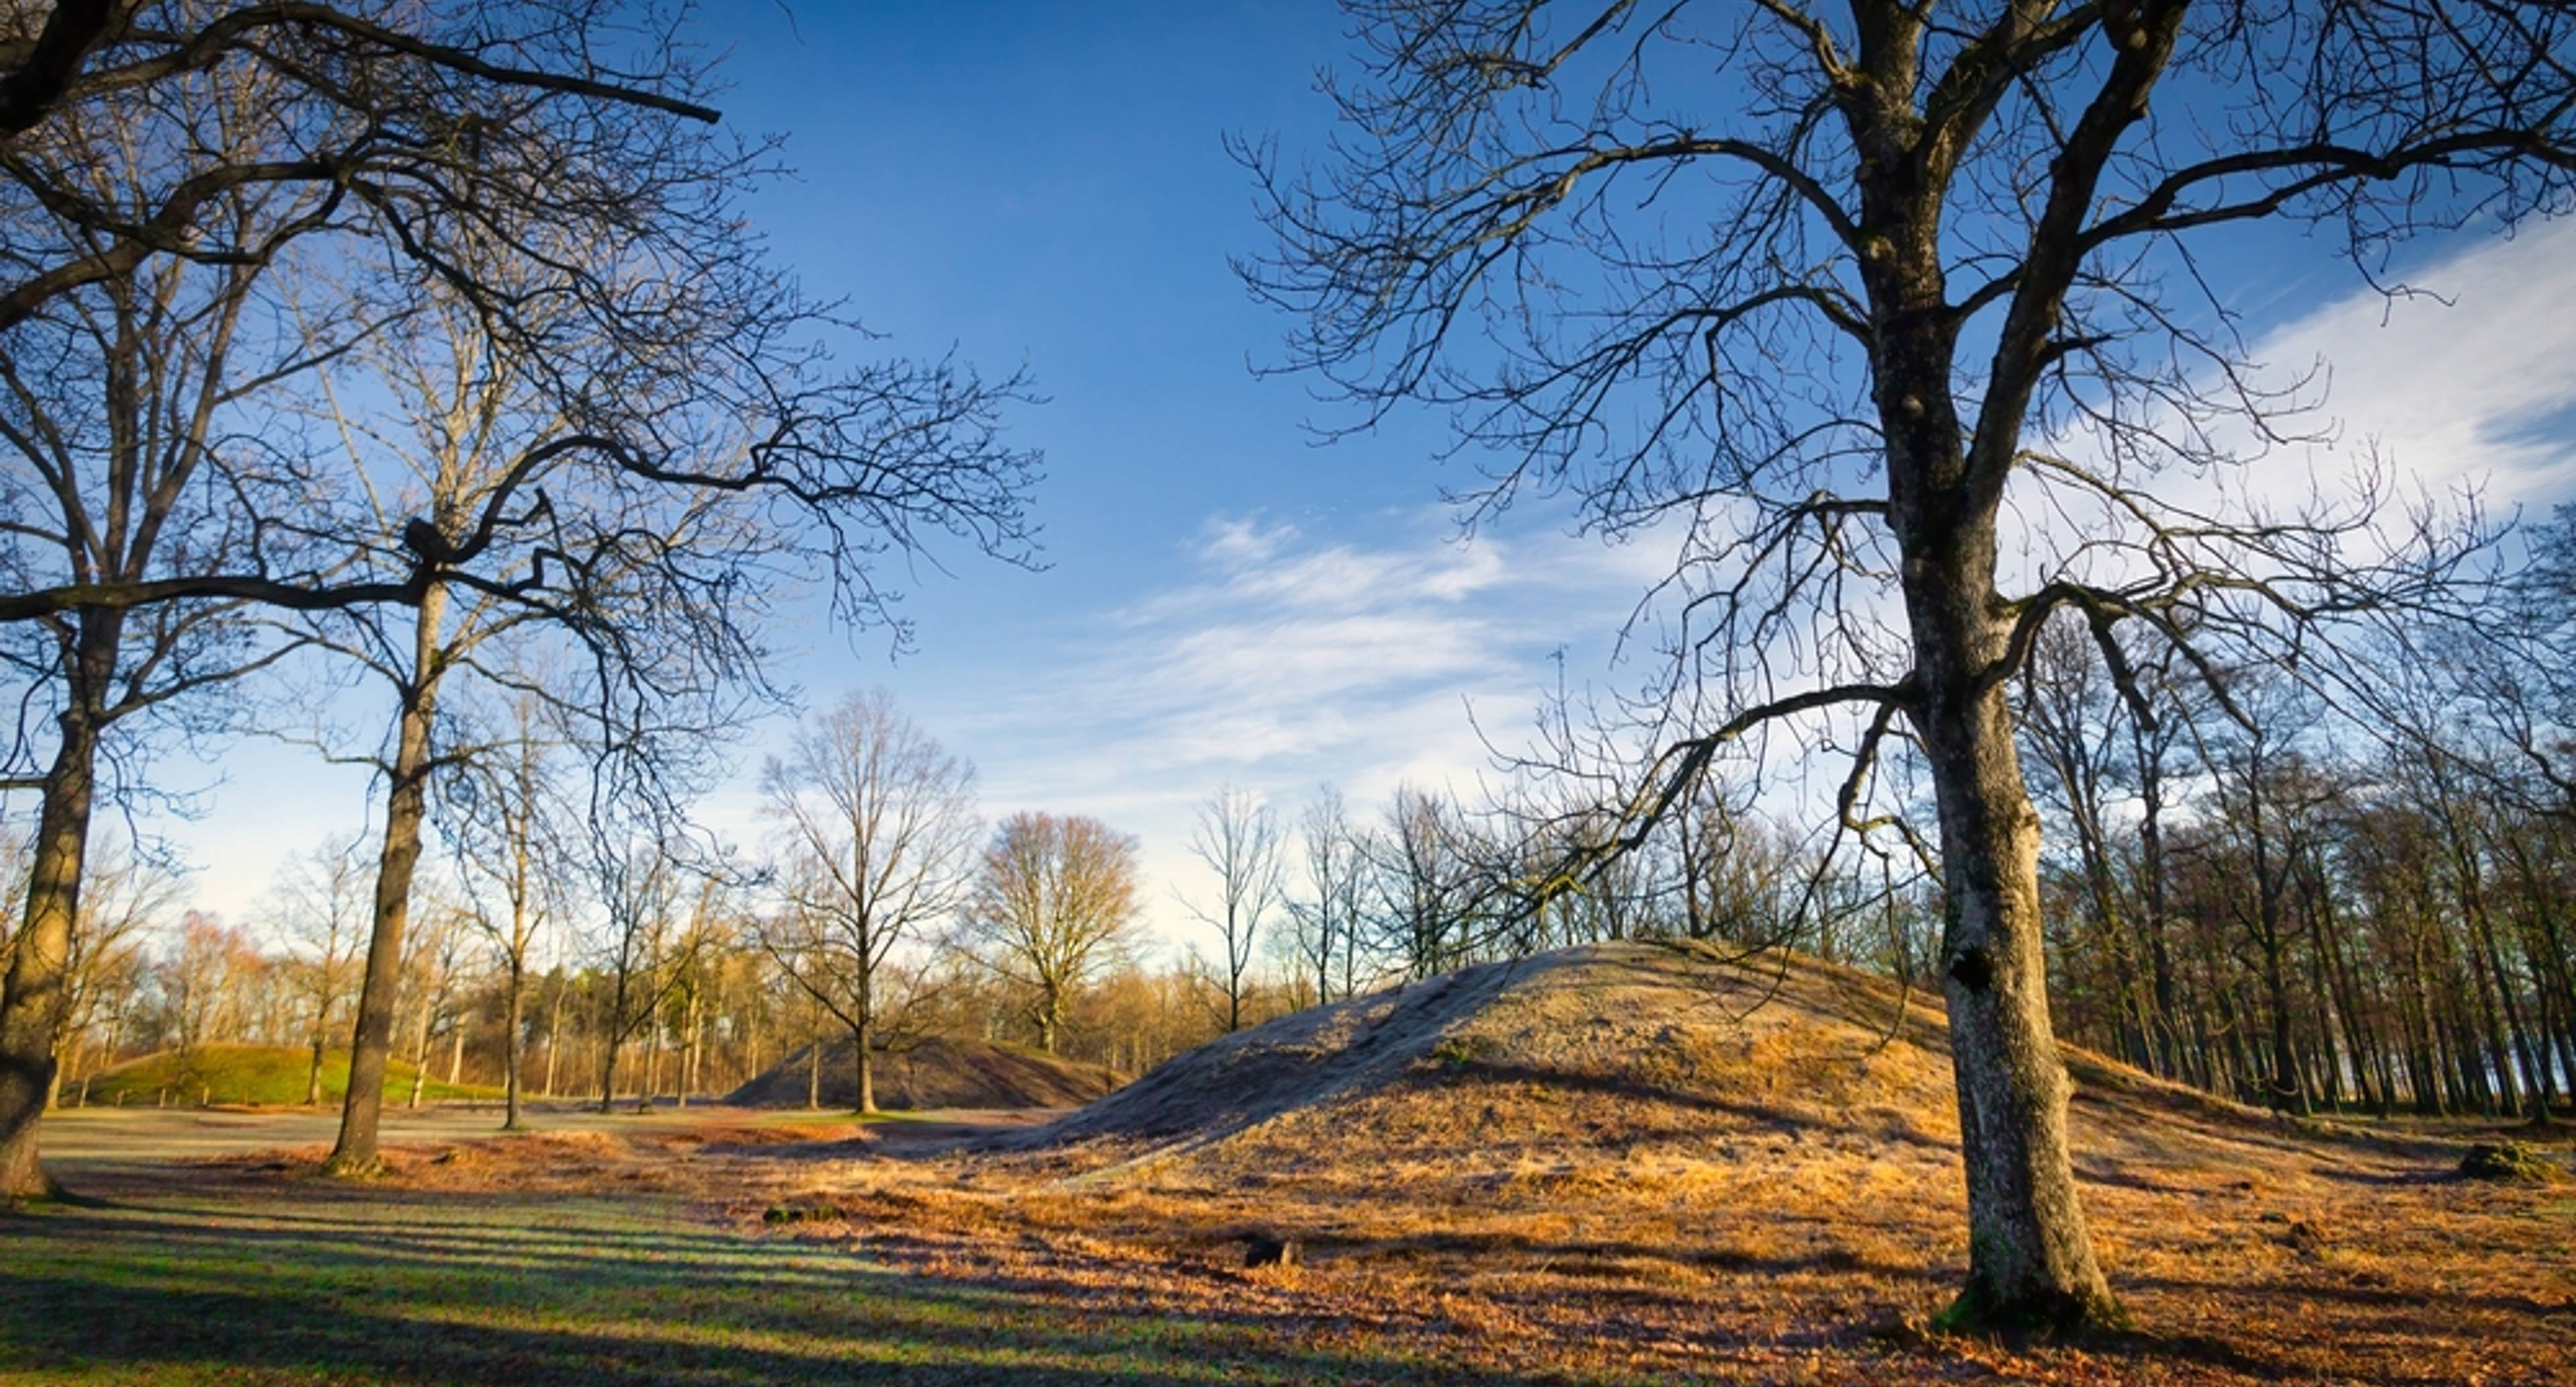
(2508, 1161)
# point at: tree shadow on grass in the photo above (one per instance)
(390, 1292)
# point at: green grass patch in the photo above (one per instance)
(314, 1284)
(247, 1074)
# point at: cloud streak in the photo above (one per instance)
(1280, 660)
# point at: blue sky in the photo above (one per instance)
(1045, 185)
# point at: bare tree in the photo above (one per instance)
(434, 963)
(130, 890)
(321, 901)
(119, 403)
(1854, 274)
(511, 840)
(1237, 838)
(1054, 903)
(1426, 886)
(2071, 718)
(204, 984)
(655, 929)
(1327, 912)
(879, 828)
(418, 129)
(459, 414)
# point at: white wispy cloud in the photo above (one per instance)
(1280, 660)
(2473, 377)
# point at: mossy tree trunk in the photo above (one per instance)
(33, 1003)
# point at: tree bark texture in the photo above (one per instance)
(33, 1003)
(406, 805)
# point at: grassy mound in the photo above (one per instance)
(1641, 1066)
(262, 1075)
(934, 1074)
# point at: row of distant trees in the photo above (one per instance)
(2259, 894)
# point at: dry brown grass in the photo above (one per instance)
(1617, 1162)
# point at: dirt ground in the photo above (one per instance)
(1618, 1169)
(2372, 1267)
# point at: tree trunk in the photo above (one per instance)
(2030, 1253)
(420, 1052)
(2287, 1092)
(689, 1049)
(608, 1076)
(406, 800)
(554, 1036)
(1050, 1016)
(2151, 886)
(32, 1003)
(313, 1071)
(814, 1075)
(863, 1066)
(653, 1056)
(513, 1050)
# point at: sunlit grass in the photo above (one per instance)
(383, 1287)
(257, 1075)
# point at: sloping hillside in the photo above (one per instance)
(1640, 1158)
(933, 1073)
(262, 1075)
(1625, 1062)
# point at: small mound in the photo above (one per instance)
(244, 1075)
(932, 1073)
(2510, 1161)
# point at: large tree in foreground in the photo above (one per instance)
(1818, 288)
(128, 406)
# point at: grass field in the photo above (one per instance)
(232, 1275)
(716, 1247)
(251, 1075)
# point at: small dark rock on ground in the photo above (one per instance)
(1272, 1252)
